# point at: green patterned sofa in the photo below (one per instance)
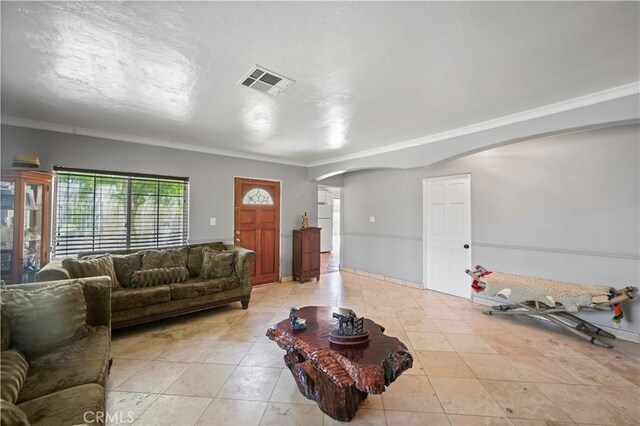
(55, 352)
(154, 284)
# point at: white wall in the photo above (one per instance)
(211, 177)
(566, 208)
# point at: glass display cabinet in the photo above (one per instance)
(24, 224)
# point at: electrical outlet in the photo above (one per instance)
(212, 221)
(372, 219)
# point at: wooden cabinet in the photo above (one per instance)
(24, 224)
(306, 254)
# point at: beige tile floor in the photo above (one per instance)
(218, 368)
(330, 261)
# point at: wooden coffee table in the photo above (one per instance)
(338, 379)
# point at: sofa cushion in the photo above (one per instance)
(168, 258)
(195, 257)
(13, 370)
(180, 306)
(125, 265)
(93, 267)
(5, 330)
(67, 407)
(12, 415)
(217, 264)
(151, 277)
(202, 287)
(139, 297)
(45, 318)
(81, 362)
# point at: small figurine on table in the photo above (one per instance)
(296, 323)
(305, 221)
(350, 331)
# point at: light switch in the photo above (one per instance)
(212, 221)
(372, 219)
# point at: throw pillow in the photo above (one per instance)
(94, 267)
(217, 264)
(195, 257)
(12, 415)
(125, 266)
(168, 258)
(13, 371)
(151, 277)
(45, 318)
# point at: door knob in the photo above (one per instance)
(237, 240)
(237, 232)
(466, 246)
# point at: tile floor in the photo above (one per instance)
(330, 261)
(218, 368)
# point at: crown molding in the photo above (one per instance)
(122, 137)
(547, 110)
(563, 106)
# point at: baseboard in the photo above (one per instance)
(381, 277)
(410, 284)
(620, 334)
(376, 276)
(286, 279)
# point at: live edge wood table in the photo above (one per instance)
(338, 378)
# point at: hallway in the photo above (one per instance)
(330, 261)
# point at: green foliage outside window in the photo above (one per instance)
(97, 212)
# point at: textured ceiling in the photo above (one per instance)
(367, 74)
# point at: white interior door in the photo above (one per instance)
(447, 234)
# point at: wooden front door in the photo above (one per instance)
(257, 225)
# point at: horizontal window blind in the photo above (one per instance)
(102, 211)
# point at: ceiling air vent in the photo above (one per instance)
(265, 81)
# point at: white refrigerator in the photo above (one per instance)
(325, 221)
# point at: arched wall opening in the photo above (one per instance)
(565, 207)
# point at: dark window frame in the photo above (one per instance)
(77, 228)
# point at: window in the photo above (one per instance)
(258, 196)
(102, 211)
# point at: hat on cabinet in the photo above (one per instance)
(26, 161)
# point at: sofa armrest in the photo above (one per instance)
(53, 271)
(244, 260)
(97, 294)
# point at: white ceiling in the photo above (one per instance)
(368, 75)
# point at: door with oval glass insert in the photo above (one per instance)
(257, 225)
